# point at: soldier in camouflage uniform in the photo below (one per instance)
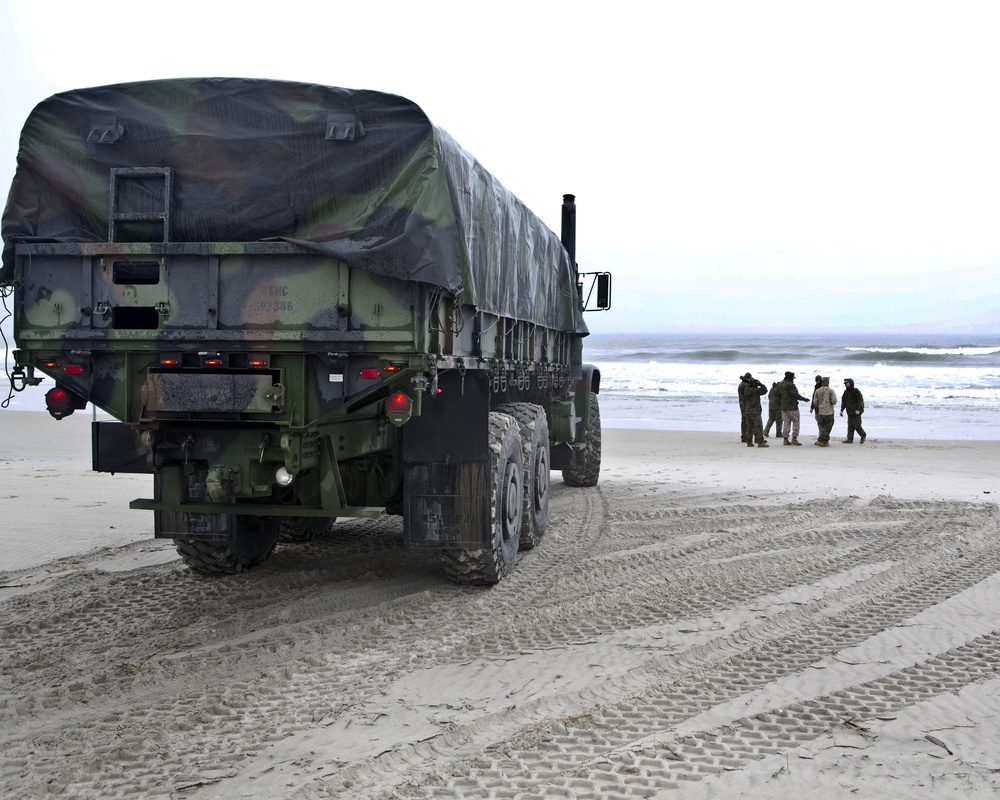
(790, 398)
(825, 402)
(744, 436)
(773, 410)
(853, 402)
(751, 390)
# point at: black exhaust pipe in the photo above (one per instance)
(569, 226)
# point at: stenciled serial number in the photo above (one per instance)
(270, 299)
(271, 306)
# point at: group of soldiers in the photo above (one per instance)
(783, 410)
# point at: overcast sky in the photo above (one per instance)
(743, 164)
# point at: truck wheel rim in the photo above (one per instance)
(541, 477)
(512, 502)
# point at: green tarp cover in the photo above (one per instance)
(360, 175)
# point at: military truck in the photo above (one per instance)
(300, 303)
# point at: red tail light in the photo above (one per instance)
(398, 409)
(58, 402)
(398, 402)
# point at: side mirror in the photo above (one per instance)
(595, 290)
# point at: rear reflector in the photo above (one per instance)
(369, 373)
(74, 369)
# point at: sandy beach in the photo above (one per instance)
(710, 621)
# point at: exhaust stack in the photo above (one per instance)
(568, 235)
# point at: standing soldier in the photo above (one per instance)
(853, 402)
(751, 390)
(812, 403)
(744, 437)
(773, 410)
(790, 398)
(825, 400)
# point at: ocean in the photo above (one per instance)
(916, 386)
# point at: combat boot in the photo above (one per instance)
(848, 441)
(763, 444)
(786, 440)
(749, 444)
(796, 441)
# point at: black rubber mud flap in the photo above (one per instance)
(116, 447)
(446, 485)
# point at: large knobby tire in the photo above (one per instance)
(249, 540)
(534, 428)
(589, 470)
(486, 566)
(303, 529)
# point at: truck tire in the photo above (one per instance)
(303, 529)
(589, 470)
(534, 429)
(486, 566)
(249, 541)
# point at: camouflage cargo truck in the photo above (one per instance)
(300, 303)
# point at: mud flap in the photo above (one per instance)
(447, 505)
(115, 447)
(446, 486)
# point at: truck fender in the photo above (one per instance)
(588, 383)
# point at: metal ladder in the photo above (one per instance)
(115, 216)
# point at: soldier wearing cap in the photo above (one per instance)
(790, 398)
(751, 390)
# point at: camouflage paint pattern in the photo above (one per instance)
(360, 176)
(320, 250)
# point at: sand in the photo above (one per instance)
(711, 621)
